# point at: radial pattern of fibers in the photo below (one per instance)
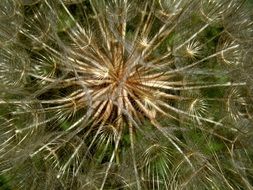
(126, 94)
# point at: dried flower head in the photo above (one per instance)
(126, 94)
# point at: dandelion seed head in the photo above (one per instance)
(110, 94)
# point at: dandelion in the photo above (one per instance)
(125, 94)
